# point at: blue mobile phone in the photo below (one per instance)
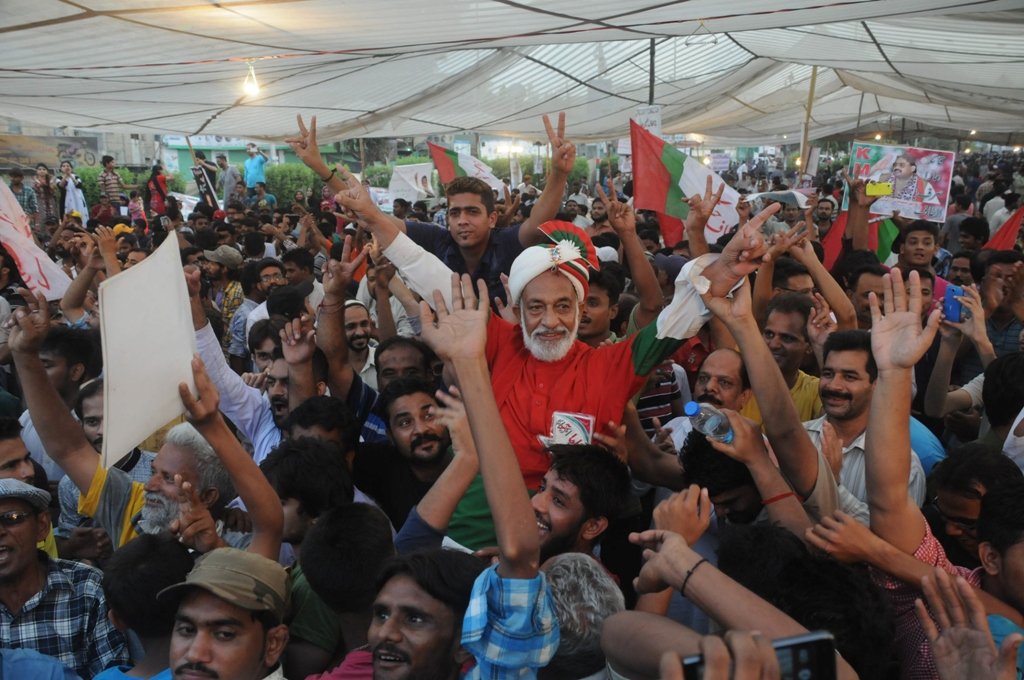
(951, 307)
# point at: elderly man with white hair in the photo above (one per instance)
(539, 369)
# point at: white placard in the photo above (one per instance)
(39, 272)
(412, 182)
(148, 343)
(649, 118)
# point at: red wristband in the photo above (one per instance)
(776, 499)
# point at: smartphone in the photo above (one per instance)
(878, 189)
(811, 656)
(165, 221)
(951, 307)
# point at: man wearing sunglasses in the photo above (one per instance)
(53, 606)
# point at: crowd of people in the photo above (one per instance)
(450, 441)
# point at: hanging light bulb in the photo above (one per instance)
(974, 132)
(797, 161)
(707, 160)
(878, 137)
(251, 86)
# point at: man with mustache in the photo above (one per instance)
(230, 617)
(398, 473)
(359, 330)
(847, 384)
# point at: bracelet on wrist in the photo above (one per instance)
(329, 177)
(689, 573)
(780, 497)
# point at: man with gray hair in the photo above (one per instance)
(584, 596)
(121, 506)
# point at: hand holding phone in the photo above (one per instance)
(811, 656)
(952, 308)
(878, 189)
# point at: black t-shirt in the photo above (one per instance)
(381, 472)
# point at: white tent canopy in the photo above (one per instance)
(735, 72)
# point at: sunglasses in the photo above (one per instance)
(13, 518)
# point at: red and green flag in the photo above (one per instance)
(451, 164)
(1006, 237)
(664, 177)
(884, 235)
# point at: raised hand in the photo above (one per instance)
(451, 413)
(93, 257)
(962, 642)
(28, 325)
(736, 310)
(784, 243)
(743, 210)
(506, 312)
(744, 252)
(614, 439)
(460, 332)
(338, 275)
(663, 438)
(257, 380)
(202, 410)
(305, 147)
(508, 209)
(897, 339)
(972, 324)
(563, 152)
(354, 197)
(860, 197)
(820, 323)
(620, 215)
(193, 280)
(703, 207)
(194, 526)
(106, 240)
(747, 445)
(687, 513)
(298, 341)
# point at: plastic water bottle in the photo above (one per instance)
(709, 421)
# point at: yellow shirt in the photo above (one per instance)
(804, 394)
(113, 500)
(48, 545)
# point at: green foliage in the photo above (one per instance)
(284, 179)
(378, 175)
(413, 160)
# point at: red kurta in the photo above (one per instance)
(597, 382)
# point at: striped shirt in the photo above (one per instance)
(110, 184)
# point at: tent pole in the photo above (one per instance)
(804, 151)
(650, 78)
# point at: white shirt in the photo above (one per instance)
(369, 370)
(993, 206)
(852, 478)
(1013, 447)
(998, 219)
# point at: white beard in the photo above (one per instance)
(547, 350)
(157, 519)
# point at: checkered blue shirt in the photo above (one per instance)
(510, 627)
(67, 620)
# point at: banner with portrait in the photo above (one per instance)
(920, 178)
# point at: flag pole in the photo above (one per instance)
(804, 150)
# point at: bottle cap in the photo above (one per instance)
(691, 409)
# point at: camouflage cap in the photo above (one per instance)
(241, 578)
